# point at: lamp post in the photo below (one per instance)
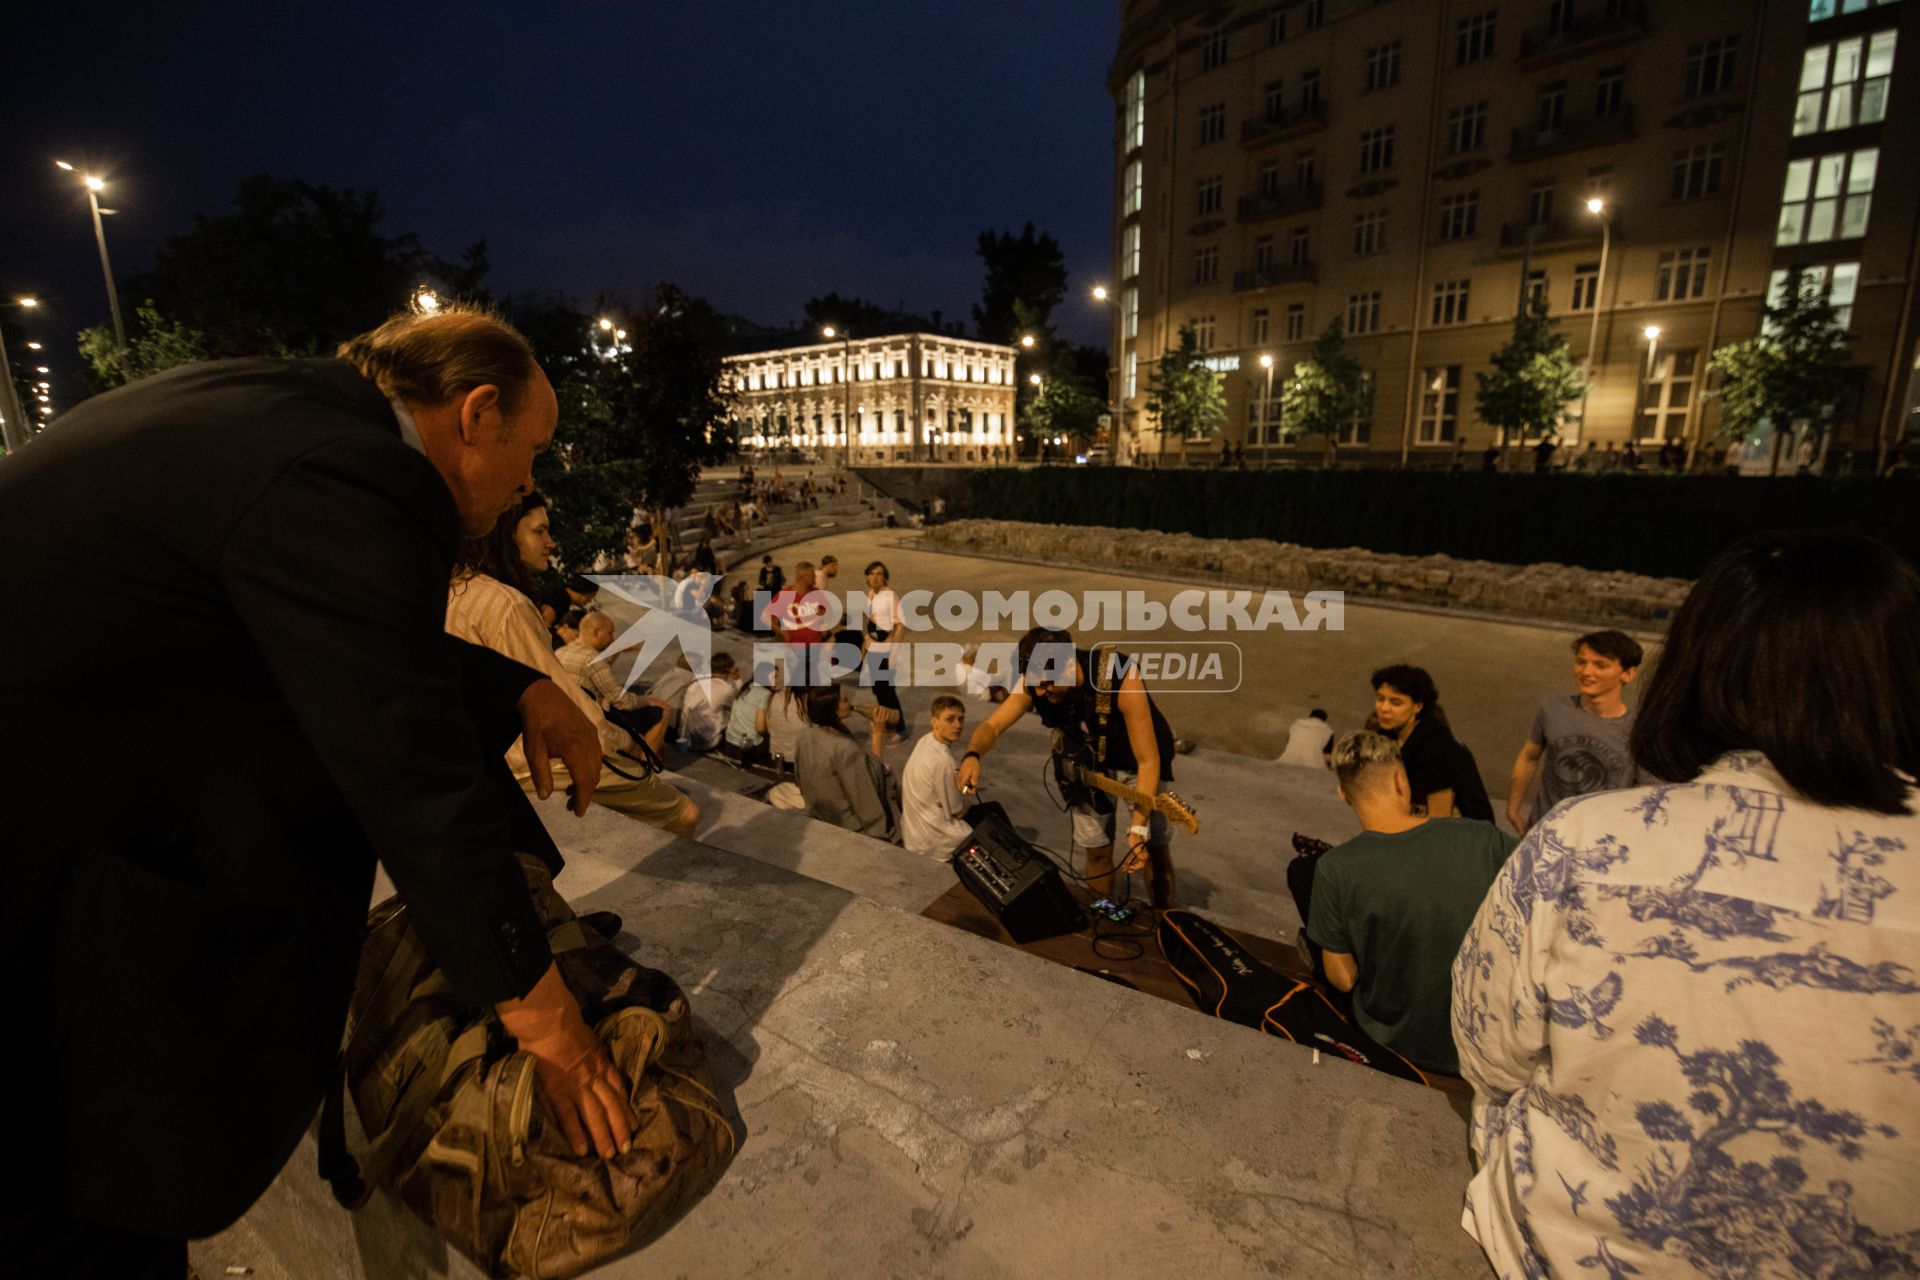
(1266, 401)
(1652, 334)
(1039, 385)
(95, 186)
(17, 432)
(846, 388)
(1598, 208)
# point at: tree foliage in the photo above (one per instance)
(155, 343)
(295, 268)
(1026, 280)
(1534, 378)
(1326, 392)
(1184, 397)
(1795, 373)
(1066, 406)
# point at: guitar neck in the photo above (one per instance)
(1119, 790)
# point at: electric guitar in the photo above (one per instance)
(1072, 773)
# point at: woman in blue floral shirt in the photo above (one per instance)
(1691, 1012)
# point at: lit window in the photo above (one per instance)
(1828, 197)
(1135, 132)
(1667, 395)
(1130, 251)
(1844, 84)
(1131, 199)
(1837, 283)
(1439, 403)
(1132, 366)
(1130, 312)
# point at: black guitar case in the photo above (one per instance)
(1226, 981)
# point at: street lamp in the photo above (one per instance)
(1026, 340)
(1652, 334)
(846, 388)
(1598, 208)
(1099, 293)
(1266, 401)
(94, 187)
(426, 301)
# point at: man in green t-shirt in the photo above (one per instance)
(1391, 905)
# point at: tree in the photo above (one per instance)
(1184, 397)
(1794, 375)
(295, 268)
(1326, 392)
(1065, 406)
(636, 426)
(156, 343)
(1533, 379)
(1026, 280)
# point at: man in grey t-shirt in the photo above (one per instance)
(1578, 743)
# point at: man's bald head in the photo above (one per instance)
(596, 630)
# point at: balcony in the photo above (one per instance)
(1576, 133)
(1553, 231)
(1263, 129)
(1279, 204)
(1278, 274)
(1585, 34)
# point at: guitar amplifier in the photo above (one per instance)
(1020, 885)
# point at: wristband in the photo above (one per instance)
(971, 755)
(1140, 831)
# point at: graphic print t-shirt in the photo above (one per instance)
(1585, 753)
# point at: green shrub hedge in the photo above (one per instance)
(1664, 525)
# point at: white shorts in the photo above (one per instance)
(1092, 829)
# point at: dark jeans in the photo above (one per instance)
(758, 753)
(1300, 885)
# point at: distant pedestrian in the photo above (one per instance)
(1308, 740)
(1543, 454)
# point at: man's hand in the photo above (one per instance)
(1136, 854)
(967, 777)
(587, 1092)
(550, 725)
(1518, 818)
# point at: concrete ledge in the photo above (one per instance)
(1588, 596)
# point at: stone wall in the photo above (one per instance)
(1534, 591)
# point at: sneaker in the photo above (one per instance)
(605, 923)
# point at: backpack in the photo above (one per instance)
(1227, 981)
(455, 1125)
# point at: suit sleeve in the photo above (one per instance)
(338, 576)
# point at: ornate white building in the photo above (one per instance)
(911, 397)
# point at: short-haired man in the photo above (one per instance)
(931, 806)
(1391, 905)
(581, 659)
(1581, 737)
(1113, 724)
(795, 617)
(708, 703)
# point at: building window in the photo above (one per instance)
(1536, 288)
(1376, 150)
(1206, 196)
(1213, 123)
(1439, 403)
(1131, 199)
(1312, 14)
(1296, 321)
(1260, 329)
(1682, 274)
(1363, 312)
(1263, 253)
(1667, 395)
(1130, 312)
(1309, 90)
(1844, 84)
(1277, 29)
(1460, 216)
(1306, 169)
(1819, 9)
(1450, 302)
(1130, 251)
(1370, 232)
(1609, 92)
(1134, 134)
(1696, 171)
(1203, 332)
(1206, 264)
(1269, 183)
(1586, 287)
(1473, 38)
(1559, 17)
(1213, 50)
(1299, 249)
(1383, 66)
(1467, 127)
(1540, 204)
(1827, 198)
(1263, 417)
(1837, 283)
(1710, 66)
(1130, 385)
(1276, 102)
(1552, 111)
(1360, 426)
(1598, 186)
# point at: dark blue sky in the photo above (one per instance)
(755, 154)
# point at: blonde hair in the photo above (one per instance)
(1357, 753)
(433, 358)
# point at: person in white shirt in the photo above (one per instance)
(1307, 741)
(708, 704)
(930, 801)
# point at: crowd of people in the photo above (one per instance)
(1685, 989)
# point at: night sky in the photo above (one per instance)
(755, 154)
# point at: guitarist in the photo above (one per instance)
(1114, 731)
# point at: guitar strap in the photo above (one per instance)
(1102, 708)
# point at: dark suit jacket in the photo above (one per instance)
(225, 689)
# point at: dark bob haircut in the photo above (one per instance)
(1415, 683)
(1804, 647)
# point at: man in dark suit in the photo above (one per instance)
(187, 873)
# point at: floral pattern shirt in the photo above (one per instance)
(1691, 1017)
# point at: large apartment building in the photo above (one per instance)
(1414, 168)
(910, 396)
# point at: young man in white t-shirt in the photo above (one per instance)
(708, 704)
(930, 801)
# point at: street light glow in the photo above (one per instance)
(1652, 331)
(828, 332)
(93, 183)
(1596, 204)
(606, 324)
(1026, 340)
(62, 164)
(619, 335)
(33, 346)
(1266, 361)
(1100, 292)
(29, 301)
(426, 300)
(1034, 378)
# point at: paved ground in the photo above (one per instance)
(1491, 674)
